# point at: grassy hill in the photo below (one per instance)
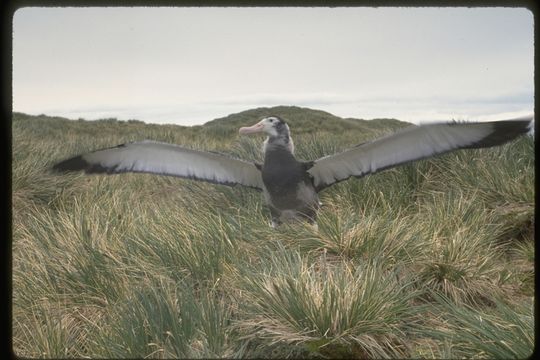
(433, 259)
(302, 120)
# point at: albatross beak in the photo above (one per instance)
(251, 129)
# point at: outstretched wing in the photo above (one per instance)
(413, 143)
(166, 159)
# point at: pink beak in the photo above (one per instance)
(251, 129)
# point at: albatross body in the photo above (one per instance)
(290, 186)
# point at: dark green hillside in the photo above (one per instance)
(300, 120)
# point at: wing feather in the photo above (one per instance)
(410, 144)
(166, 159)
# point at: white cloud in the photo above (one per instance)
(190, 65)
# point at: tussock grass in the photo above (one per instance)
(53, 329)
(461, 259)
(433, 259)
(167, 320)
(505, 331)
(327, 306)
(365, 236)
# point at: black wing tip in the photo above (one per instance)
(503, 132)
(78, 163)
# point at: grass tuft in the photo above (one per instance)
(327, 306)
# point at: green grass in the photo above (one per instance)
(430, 260)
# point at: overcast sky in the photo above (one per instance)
(191, 65)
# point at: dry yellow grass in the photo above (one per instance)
(405, 263)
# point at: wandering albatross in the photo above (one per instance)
(290, 186)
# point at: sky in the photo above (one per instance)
(188, 66)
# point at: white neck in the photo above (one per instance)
(281, 141)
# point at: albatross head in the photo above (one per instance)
(272, 126)
(277, 130)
